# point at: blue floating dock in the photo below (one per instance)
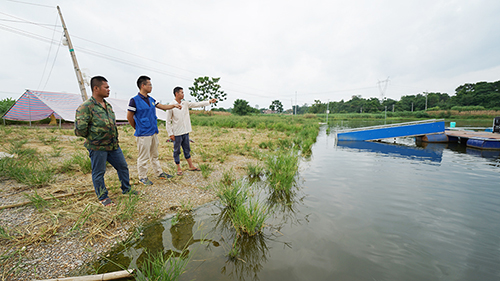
(484, 143)
(408, 129)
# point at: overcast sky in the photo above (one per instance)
(262, 50)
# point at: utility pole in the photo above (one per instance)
(425, 101)
(79, 76)
(383, 88)
(295, 102)
(327, 110)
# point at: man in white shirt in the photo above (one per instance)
(179, 126)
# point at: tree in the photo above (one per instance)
(317, 107)
(241, 107)
(5, 105)
(276, 105)
(205, 88)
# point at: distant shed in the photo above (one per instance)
(38, 105)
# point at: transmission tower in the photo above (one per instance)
(382, 86)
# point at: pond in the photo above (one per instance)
(360, 211)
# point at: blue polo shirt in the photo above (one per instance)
(144, 109)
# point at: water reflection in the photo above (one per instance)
(432, 152)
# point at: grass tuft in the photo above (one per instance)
(281, 170)
(162, 267)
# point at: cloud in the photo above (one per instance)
(262, 50)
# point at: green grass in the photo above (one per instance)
(205, 170)
(162, 267)
(28, 169)
(254, 170)
(79, 161)
(37, 201)
(4, 234)
(228, 177)
(249, 218)
(281, 170)
(232, 195)
(127, 206)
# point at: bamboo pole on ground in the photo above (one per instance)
(99, 277)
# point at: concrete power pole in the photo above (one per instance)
(79, 76)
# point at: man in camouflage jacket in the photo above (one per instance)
(95, 121)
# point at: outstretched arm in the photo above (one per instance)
(168, 106)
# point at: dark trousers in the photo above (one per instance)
(98, 159)
(182, 140)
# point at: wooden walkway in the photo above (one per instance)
(470, 134)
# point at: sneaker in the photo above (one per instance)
(164, 175)
(146, 181)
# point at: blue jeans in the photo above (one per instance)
(98, 159)
(182, 140)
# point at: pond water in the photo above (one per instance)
(361, 211)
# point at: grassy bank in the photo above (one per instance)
(49, 174)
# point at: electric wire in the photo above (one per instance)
(29, 3)
(149, 68)
(48, 56)
(53, 63)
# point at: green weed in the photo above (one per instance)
(232, 195)
(205, 170)
(4, 234)
(163, 267)
(254, 171)
(249, 218)
(228, 177)
(37, 201)
(78, 162)
(281, 170)
(30, 170)
(56, 151)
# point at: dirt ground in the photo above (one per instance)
(63, 226)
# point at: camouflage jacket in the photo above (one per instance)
(97, 125)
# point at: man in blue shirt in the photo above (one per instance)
(141, 116)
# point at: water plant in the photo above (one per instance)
(186, 206)
(228, 177)
(254, 170)
(281, 170)
(162, 267)
(232, 195)
(249, 218)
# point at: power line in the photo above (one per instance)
(28, 3)
(48, 56)
(53, 63)
(20, 21)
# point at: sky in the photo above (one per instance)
(263, 50)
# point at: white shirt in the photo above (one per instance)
(178, 120)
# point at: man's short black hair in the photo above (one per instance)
(97, 81)
(177, 89)
(142, 81)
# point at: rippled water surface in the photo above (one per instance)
(377, 211)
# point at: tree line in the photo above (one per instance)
(478, 96)
(472, 96)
